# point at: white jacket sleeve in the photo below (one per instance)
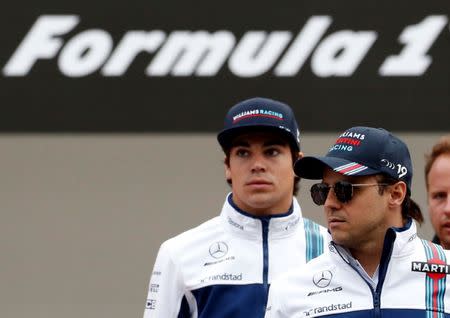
(166, 287)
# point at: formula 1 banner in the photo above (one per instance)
(166, 66)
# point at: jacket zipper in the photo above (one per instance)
(376, 293)
(388, 246)
(265, 239)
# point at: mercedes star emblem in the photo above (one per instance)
(218, 249)
(322, 279)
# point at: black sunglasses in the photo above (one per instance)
(342, 189)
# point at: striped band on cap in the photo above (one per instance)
(350, 168)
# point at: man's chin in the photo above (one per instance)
(339, 239)
(260, 201)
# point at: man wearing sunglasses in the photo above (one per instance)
(224, 267)
(377, 266)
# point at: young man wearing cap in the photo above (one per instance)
(224, 267)
(376, 265)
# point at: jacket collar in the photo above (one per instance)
(403, 239)
(246, 224)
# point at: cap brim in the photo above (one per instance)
(313, 167)
(226, 137)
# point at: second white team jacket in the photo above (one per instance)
(224, 267)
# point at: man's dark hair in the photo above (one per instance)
(409, 207)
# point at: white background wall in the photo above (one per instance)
(82, 216)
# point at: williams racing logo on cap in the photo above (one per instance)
(348, 141)
(257, 113)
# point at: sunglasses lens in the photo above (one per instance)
(319, 193)
(344, 191)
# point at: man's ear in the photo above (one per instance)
(300, 155)
(397, 193)
(227, 169)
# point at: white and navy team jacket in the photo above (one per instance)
(224, 267)
(412, 283)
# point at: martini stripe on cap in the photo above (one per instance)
(355, 171)
(347, 167)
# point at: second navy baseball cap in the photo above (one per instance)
(362, 151)
(259, 114)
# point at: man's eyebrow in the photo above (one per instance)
(240, 143)
(436, 191)
(268, 143)
(275, 142)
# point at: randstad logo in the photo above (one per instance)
(223, 277)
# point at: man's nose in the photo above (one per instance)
(331, 201)
(258, 163)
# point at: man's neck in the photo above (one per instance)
(368, 257)
(282, 209)
(369, 253)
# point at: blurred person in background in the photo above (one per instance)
(224, 267)
(437, 178)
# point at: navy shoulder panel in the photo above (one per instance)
(237, 301)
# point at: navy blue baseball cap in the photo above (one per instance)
(362, 151)
(259, 114)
